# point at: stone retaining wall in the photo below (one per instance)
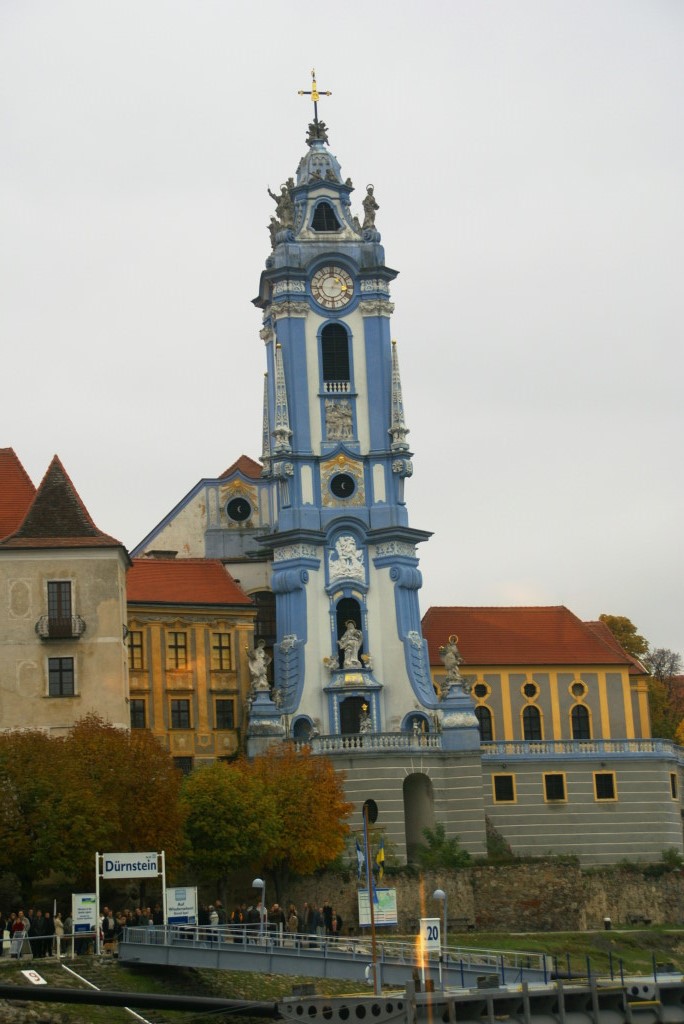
(540, 896)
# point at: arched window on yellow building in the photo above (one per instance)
(531, 721)
(580, 722)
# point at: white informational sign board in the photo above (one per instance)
(130, 865)
(430, 933)
(84, 911)
(384, 909)
(181, 905)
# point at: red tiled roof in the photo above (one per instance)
(246, 466)
(182, 581)
(57, 518)
(16, 491)
(518, 636)
(602, 631)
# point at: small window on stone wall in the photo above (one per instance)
(504, 789)
(604, 786)
(674, 787)
(554, 786)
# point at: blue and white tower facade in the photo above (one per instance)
(349, 655)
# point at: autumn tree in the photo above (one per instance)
(311, 812)
(625, 632)
(665, 693)
(137, 786)
(63, 799)
(46, 824)
(283, 812)
(665, 696)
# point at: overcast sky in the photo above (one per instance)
(528, 159)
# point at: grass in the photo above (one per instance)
(637, 948)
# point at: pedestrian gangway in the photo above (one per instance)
(308, 956)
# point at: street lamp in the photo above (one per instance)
(259, 883)
(440, 895)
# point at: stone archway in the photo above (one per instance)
(419, 812)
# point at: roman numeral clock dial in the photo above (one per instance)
(332, 287)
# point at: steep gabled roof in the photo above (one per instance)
(602, 631)
(57, 518)
(248, 467)
(16, 491)
(519, 636)
(182, 581)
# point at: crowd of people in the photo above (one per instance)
(44, 934)
(39, 928)
(312, 920)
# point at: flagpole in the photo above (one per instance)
(369, 879)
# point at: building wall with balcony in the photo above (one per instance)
(58, 664)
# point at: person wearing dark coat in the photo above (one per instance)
(48, 934)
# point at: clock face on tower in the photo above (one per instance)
(332, 287)
(238, 509)
(343, 485)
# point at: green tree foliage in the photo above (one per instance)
(230, 818)
(625, 632)
(441, 852)
(284, 812)
(663, 664)
(666, 696)
(63, 799)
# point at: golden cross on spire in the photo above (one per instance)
(314, 94)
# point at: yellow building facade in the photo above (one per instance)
(189, 629)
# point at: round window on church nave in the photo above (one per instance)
(530, 690)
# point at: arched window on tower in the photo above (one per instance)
(484, 720)
(580, 722)
(325, 218)
(348, 610)
(335, 358)
(531, 719)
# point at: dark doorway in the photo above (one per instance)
(350, 715)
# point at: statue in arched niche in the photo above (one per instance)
(350, 642)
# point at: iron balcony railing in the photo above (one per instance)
(70, 627)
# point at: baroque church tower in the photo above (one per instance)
(349, 656)
(318, 537)
(321, 528)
